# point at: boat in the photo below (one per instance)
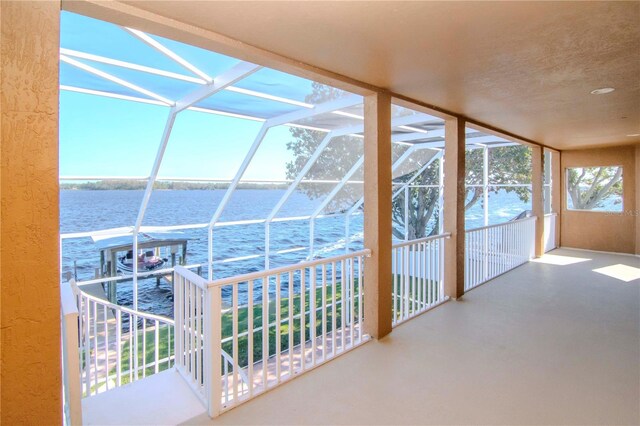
(147, 261)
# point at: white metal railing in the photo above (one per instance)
(194, 266)
(189, 299)
(72, 390)
(118, 345)
(290, 320)
(418, 276)
(493, 250)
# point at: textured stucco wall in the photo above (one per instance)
(597, 230)
(637, 211)
(29, 291)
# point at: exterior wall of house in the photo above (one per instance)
(29, 272)
(599, 230)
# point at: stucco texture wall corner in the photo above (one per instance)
(29, 280)
(599, 230)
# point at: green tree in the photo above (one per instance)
(589, 186)
(508, 165)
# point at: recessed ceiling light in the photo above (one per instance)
(602, 91)
(633, 135)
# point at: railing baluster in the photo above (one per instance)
(291, 322)
(432, 270)
(106, 346)
(192, 334)
(131, 348)
(170, 347)
(235, 348)
(250, 336)
(312, 313)
(144, 347)
(278, 324)
(414, 280)
(156, 355)
(303, 314)
(197, 332)
(95, 346)
(118, 348)
(421, 275)
(324, 311)
(334, 331)
(394, 264)
(265, 331)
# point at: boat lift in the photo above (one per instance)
(168, 247)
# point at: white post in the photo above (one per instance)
(70, 356)
(485, 184)
(312, 236)
(213, 351)
(232, 187)
(145, 199)
(440, 194)
(267, 243)
(485, 201)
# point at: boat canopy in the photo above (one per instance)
(145, 240)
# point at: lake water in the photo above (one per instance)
(82, 211)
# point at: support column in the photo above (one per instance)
(556, 192)
(537, 180)
(377, 214)
(454, 195)
(29, 226)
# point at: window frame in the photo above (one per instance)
(567, 197)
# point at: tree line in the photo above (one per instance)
(130, 184)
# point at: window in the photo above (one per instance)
(595, 188)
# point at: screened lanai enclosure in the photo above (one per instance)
(212, 214)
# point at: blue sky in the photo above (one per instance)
(103, 136)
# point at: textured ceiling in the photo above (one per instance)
(524, 67)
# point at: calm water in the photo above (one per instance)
(82, 211)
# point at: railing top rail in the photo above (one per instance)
(192, 277)
(67, 300)
(497, 225)
(423, 240)
(127, 310)
(128, 229)
(289, 268)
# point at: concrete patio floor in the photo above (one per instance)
(551, 342)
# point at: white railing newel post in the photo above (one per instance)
(213, 350)
(71, 357)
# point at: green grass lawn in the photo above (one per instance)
(243, 313)
(399, 297)
(243, 339)
(165, 346)
(243, 318)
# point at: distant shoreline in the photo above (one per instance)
(133, 185)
